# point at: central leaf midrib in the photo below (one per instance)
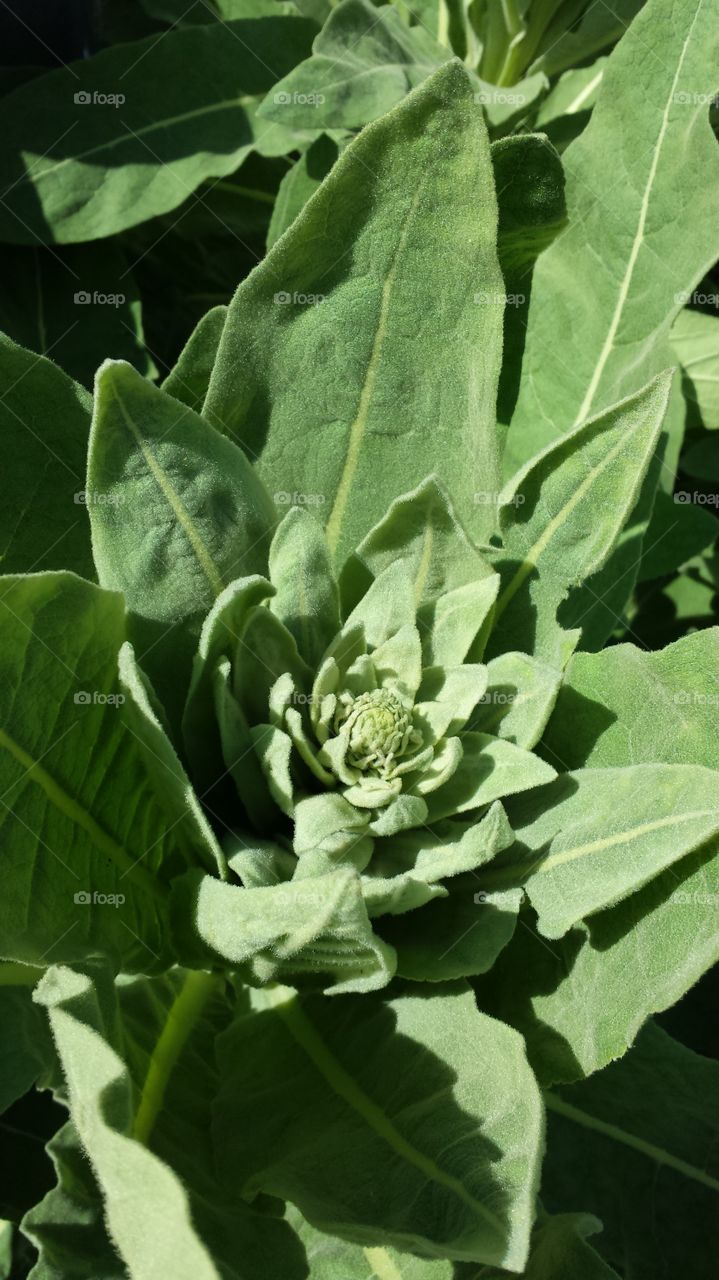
(359, 426)
(346, 1087)
(649, 1149)
(174, 501)
(154, 126)
(71, 808)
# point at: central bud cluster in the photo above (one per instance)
(378, 730)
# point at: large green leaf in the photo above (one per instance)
(141, 1076)
(649, 142)
(441, 1115)
(563, 514)
(364, 61)
(177, 513)
(85, 864)
(333, 368)
(44, 420)
(581, 1000)
(637, 1144)
(108, 142)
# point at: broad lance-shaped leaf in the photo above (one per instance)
(649, 142)
(177, 514)
(594, 836)
(443, 1118)
(44, 424)
(364, 61)
(131, 132)
(385, 404)
(85, 865)
(315, 926)
(637, 1144)
(140, 1069)
(580, 1000)
(563, 514)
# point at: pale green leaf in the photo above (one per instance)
(596, 835)
(386, 357)
(364, 61)
(128, 134)
(650, 125)
(443, 1120)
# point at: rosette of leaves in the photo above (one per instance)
(350, 732)
(374, 749)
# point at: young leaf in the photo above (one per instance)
(649, 126)
(521, 692)
(131, 132)
(177, 513)
(422, 530)
(189, 378)
(305, 598)
(312, 926)
(367, 325)
(437, 1084)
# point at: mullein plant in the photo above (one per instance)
(339, 851)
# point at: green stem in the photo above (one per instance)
(182, 1017)
(19, 975)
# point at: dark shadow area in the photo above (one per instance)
(575, 727)
(525, 970)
